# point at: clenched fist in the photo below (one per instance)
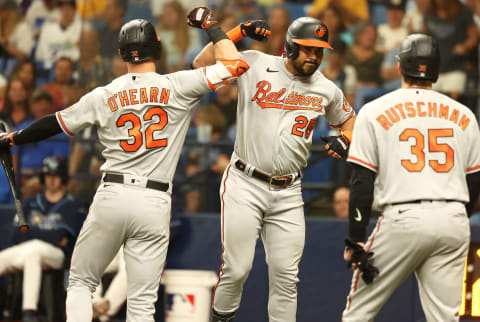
(200, 17)
(256, 29)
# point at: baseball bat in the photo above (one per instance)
(7, 164)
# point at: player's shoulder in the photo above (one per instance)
(255, 56)
(322, 81)
(447, 100)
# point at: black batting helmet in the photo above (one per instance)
(138, 41)
(419, 57)
(305, 31)
(54, 165)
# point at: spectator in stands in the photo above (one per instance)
(176, 36)
(63, 89)
(367, 63)
(55, 218)
(92, 71)
(39, 12)
(157, 6)
(391, 34)
(9, 19)
(451, 23)
(331, 16)
(19, 44)
(279, 20)
(140, 8)
(60, 39)
(341, 197)
(207, 162)
(25, 71)
(351, 11)
(391, 77)
(414, 17)
(91, 9)
(344, 76)
(114, 16)
(15, 106)
(244, 10)
(28, 158)
(108, 304)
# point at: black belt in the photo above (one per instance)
(424, 200)
(273, 181)
(118, 178)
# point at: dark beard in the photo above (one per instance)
(300, 71)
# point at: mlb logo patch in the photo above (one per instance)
(180, 304)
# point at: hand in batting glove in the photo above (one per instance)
(336, 146)
(256, 29)
(5, 141)
(200, 17)
(357, 257)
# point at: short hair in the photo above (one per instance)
(417, 81)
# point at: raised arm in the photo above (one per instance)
(228, 64)
(257, 30)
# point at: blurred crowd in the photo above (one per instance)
(54, 51)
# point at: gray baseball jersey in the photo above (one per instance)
(142, 120)
(426, 159)
(421, 144)
(277, 113)
(276, 116)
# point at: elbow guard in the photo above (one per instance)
(224, 72)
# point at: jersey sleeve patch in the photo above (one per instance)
(352, 114)
(62, 125)
(362, 163)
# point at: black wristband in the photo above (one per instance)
(216, 33)
(41, 129)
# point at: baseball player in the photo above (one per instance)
(142, 119)
(279, 101)
(55, 218)
(417, 152)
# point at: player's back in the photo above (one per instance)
(142, 120)
(423, 142)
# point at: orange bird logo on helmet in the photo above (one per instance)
(320, 31)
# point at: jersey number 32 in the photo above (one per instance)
(135, 132)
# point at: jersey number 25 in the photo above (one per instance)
(135, 131)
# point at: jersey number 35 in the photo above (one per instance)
(433, 146)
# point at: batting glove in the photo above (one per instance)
(336, 146)
(200, 17)
(6, 141)
(256, 29)
(363, 261)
